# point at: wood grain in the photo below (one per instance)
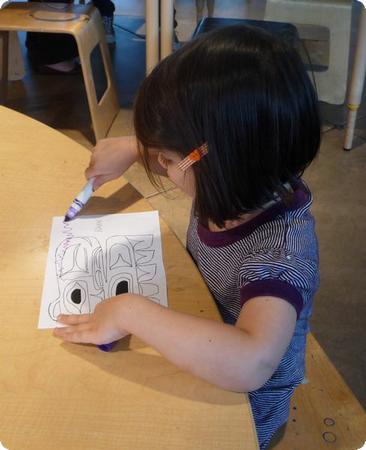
(324, 412)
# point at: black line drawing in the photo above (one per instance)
(87, 273)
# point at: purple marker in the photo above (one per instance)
(106, 347)
(80, 200)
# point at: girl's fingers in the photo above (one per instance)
(102, 179)
(79, 337)
(81, 334)
(73, 319)
(90, 170)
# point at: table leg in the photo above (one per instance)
(167, 27)
(4, 67)
(152, 34)
(357, 81)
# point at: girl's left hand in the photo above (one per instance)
(101, 327)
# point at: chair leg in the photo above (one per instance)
(4, 38)
(15, 58)
(357, 81)
(102, 112)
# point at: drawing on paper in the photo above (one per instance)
(87, 274)
(93, 258)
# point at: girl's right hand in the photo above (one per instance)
(111, 158)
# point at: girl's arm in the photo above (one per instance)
(111, 157)
(239, 358)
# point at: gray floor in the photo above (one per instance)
(337, 179)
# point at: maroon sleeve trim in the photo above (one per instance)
(272, 288)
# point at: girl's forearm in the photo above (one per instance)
(219, 353)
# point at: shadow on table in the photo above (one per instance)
(133, 361)
(125, 197)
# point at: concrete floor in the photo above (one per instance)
(337, 178)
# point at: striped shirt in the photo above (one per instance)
(273, 254)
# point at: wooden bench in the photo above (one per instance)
(324, 412)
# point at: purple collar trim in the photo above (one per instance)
(227, 237)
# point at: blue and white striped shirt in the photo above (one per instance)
(274, 254)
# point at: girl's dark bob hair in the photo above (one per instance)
(247, 94)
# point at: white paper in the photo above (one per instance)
(92, 258)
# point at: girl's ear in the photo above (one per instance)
(162, 161)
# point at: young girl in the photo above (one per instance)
(231, 118)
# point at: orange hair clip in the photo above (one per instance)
(193, 157)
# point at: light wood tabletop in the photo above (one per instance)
(55, 395)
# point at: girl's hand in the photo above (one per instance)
(111, 158)
(101, 327)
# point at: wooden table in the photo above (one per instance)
(62, 396)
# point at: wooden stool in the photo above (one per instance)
(84, 23)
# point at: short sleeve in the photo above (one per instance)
(277, 273)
